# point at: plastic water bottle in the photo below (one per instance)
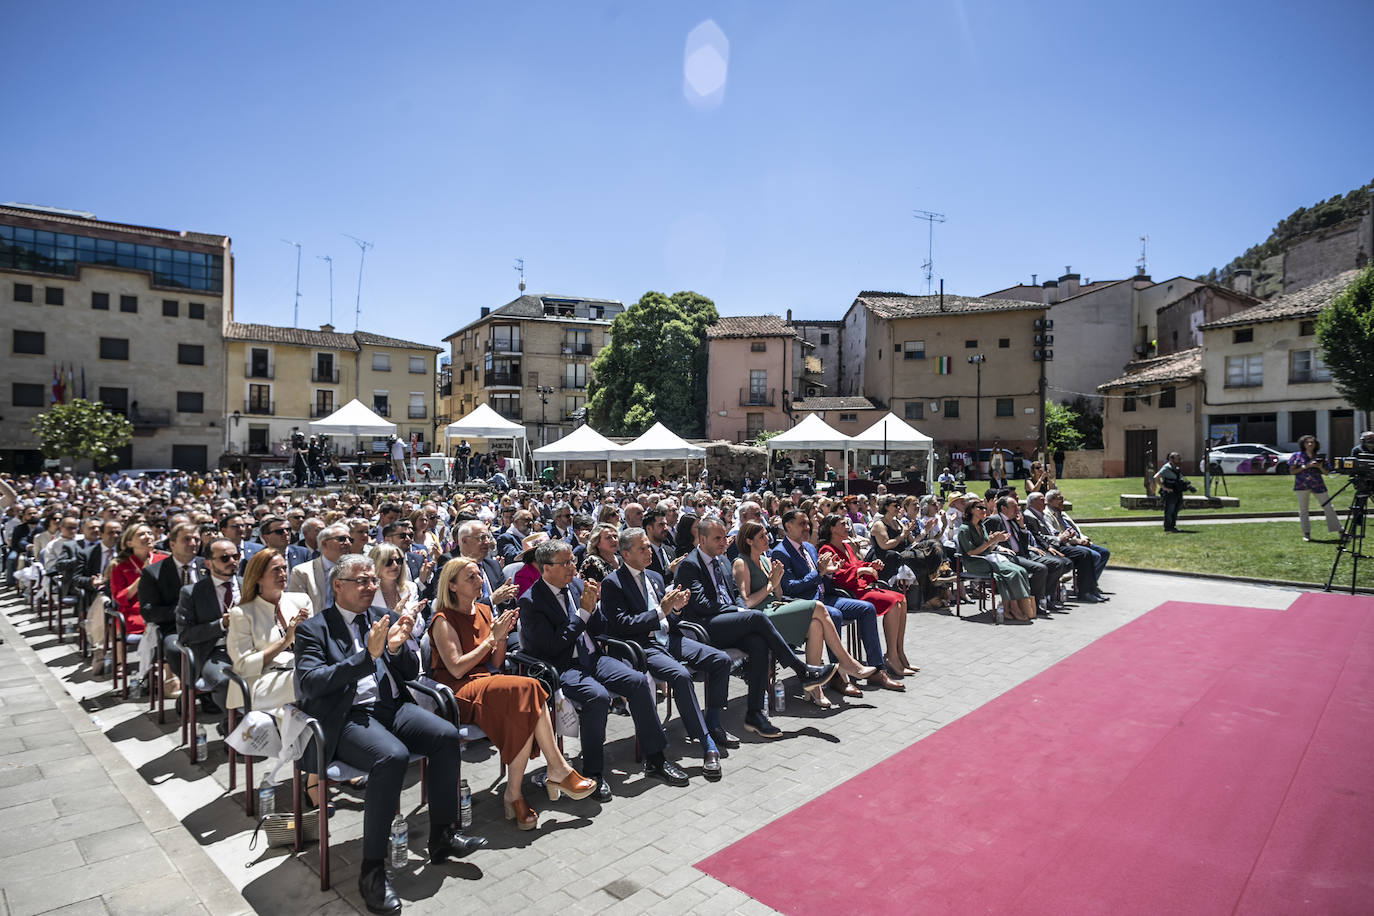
(202, 743)
(779, 698)
(464, 804)
(1001, 612)
(267, 798)
(400, 840)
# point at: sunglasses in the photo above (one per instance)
(226, 556)
(394, 561)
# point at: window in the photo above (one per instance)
(381, 402)
(1128, 404)
(259, 400)
(1243, 335)
(259, 363)
(1005, 407)
(825, 339)
(572, 405)
(848, 417)
(100, 301)
(325, 372)
(26, 394)
(758, 346)
(1245, 371)
(504, 338)
(34, 342)
(60, 253)
(1003, 343)
(507, 405)
(170, 308)
(574, 375)
(128, 303)
(23, 292)
(55, 295)
(915, 410)
(415, 410)
(914, 349)
(417, 365)
(951, 409)
(115, 399)
(324, 403)
(758, 386)
(191, 354)
(753, 425)
(381, 362)
(190, 457)
(1307, 366)
(970, 345)
(195, 311)
(1307, 328)
(1167, 397)
(114, 348)
(1301, 423)
(190, 402)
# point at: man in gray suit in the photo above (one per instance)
(313, 578)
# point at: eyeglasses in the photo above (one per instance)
(394, 561)
(339, 537)
(567, 562)
(226, 556)
(277, 531)
(363, 581)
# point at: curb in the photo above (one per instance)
(1116, 519)
(1248, 580)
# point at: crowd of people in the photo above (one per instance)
(334, 601)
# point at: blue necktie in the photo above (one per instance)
(382, 673)
(585, 647)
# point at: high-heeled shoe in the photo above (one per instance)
(574, 785)
(861, 672)
(525, 817)
(815, 697)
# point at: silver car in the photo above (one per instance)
(1247, 458)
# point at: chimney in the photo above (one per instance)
(1068, 284)
(789, 316)
(1141, 280)
(1034, 282)
(1051, 291)
(1240, 281)
(486, 310)
(328, 328)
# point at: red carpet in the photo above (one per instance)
(1201, 759)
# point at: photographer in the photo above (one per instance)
(1365, 446)
(300, 467)
(1307, 466)
(1172, 485)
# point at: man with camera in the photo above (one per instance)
(1172, 486)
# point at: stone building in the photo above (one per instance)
(1155, 407)
(824, 337)
(1179, 322)
(754, 363)
(134, 313)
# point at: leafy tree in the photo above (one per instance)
(82, 429)
(761, 440)
(1345, 330)
(654, 367)
(1061, 430)
(1086, 418)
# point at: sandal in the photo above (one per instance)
(815, 697)
(524, 816)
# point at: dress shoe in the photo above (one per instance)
(1101, 597)
(723, 740)
(377, 892)
(1088, 598)
(710, 766)
(816, 675)
(574, 785)
(603, 791)
(882, 680)
(758, 723)
(452, 843)
(668, 771)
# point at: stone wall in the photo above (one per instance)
(1083, 463)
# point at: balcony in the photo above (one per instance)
(503, 345)
(150, 417)
(572, 384)
(750, 397)
(251, 371)
(577, 349)
(260, 408)
(317, 411)
(382, 410)
(416, 413)
(511, 379)
(510, 413)
(325, 376)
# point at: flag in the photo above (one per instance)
(70, 387)
(59, 394)
(83, 383)
(414, 445)
(942, 365)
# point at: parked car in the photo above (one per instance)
(1247, 458)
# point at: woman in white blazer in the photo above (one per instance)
(261, 631)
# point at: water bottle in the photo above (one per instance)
(267, 798)
(464, 804)
(1001, 612)
(779, 698)
(202, 743)
(400, 839)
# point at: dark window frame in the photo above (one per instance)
(195, 311)
(186, 350)
(190, 402)
(951, 408)
(28, 394)
(128, 304)
(100, 301)
(54, 295)
(1168, 397)
(113, 344)
(40, 338)
(23, 292)
(171, 308)
(1005, 407)
(1243, 335)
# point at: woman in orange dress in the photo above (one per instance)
(857, 578)
(467, 649)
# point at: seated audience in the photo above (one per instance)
(858, 579)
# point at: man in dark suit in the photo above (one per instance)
(660, 551)
(1083, 559)
(274, 532)
(160, 583)
(235, 529)
(475, 542)
(202, 617)
(511, 542)
(351, 672)
(560, 529)
(716, 604)
(557, 621)
(636, 608)
(98, 556)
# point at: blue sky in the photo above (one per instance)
(457, 137)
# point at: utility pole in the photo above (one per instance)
(977, 361)
(325, 257)
(296, 312)
(362, 256)
(1041, 353)
(543, 391)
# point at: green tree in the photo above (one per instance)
(82, 429)
(1061, 430)
(654, 368)
(1345, 330)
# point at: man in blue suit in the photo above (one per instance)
(807, 575)
(351, 672)
(716, 604)
(557, 622)
(637, 608)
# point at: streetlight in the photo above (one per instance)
(543, 391)
(977, 360)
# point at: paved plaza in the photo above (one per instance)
(103, 812)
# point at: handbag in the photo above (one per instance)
(281, 829)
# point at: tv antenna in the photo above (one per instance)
(520, 269)
(296, 312)
(929, 265)
(362, 256)
(325, 257)
(1142, 266)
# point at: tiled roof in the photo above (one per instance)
(900, 305)
(377, 340)
(324, 340)
(531, 305)
(851, 403)
(1301, 303)
(76, 218)
(749, 326)
(1176, 367)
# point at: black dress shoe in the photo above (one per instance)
(710, 767)
(452, 843)
(377, 892)
(758, 723)
(603, 791)
(816, 675)
(1101, 597)
(669, 772)
(723, 740)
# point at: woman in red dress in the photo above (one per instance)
(135, 552)
(857, 578)
(467, 649)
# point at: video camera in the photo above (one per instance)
(1359, 468)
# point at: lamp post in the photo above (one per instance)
(977, 360)
(543, 391)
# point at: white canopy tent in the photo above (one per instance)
(659, 443)
(892, 433)
(354, 419)
(485, 423)
(813, 433)
(582, 444)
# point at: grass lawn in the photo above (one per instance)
(1100, 497)
(1260, 550)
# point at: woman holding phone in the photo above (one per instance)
(1308, 465)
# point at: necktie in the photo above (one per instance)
(585, 646)
(722, 588)
(382, 674)
(186, 574)
(228, 595)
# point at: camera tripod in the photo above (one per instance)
(1352, 535)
